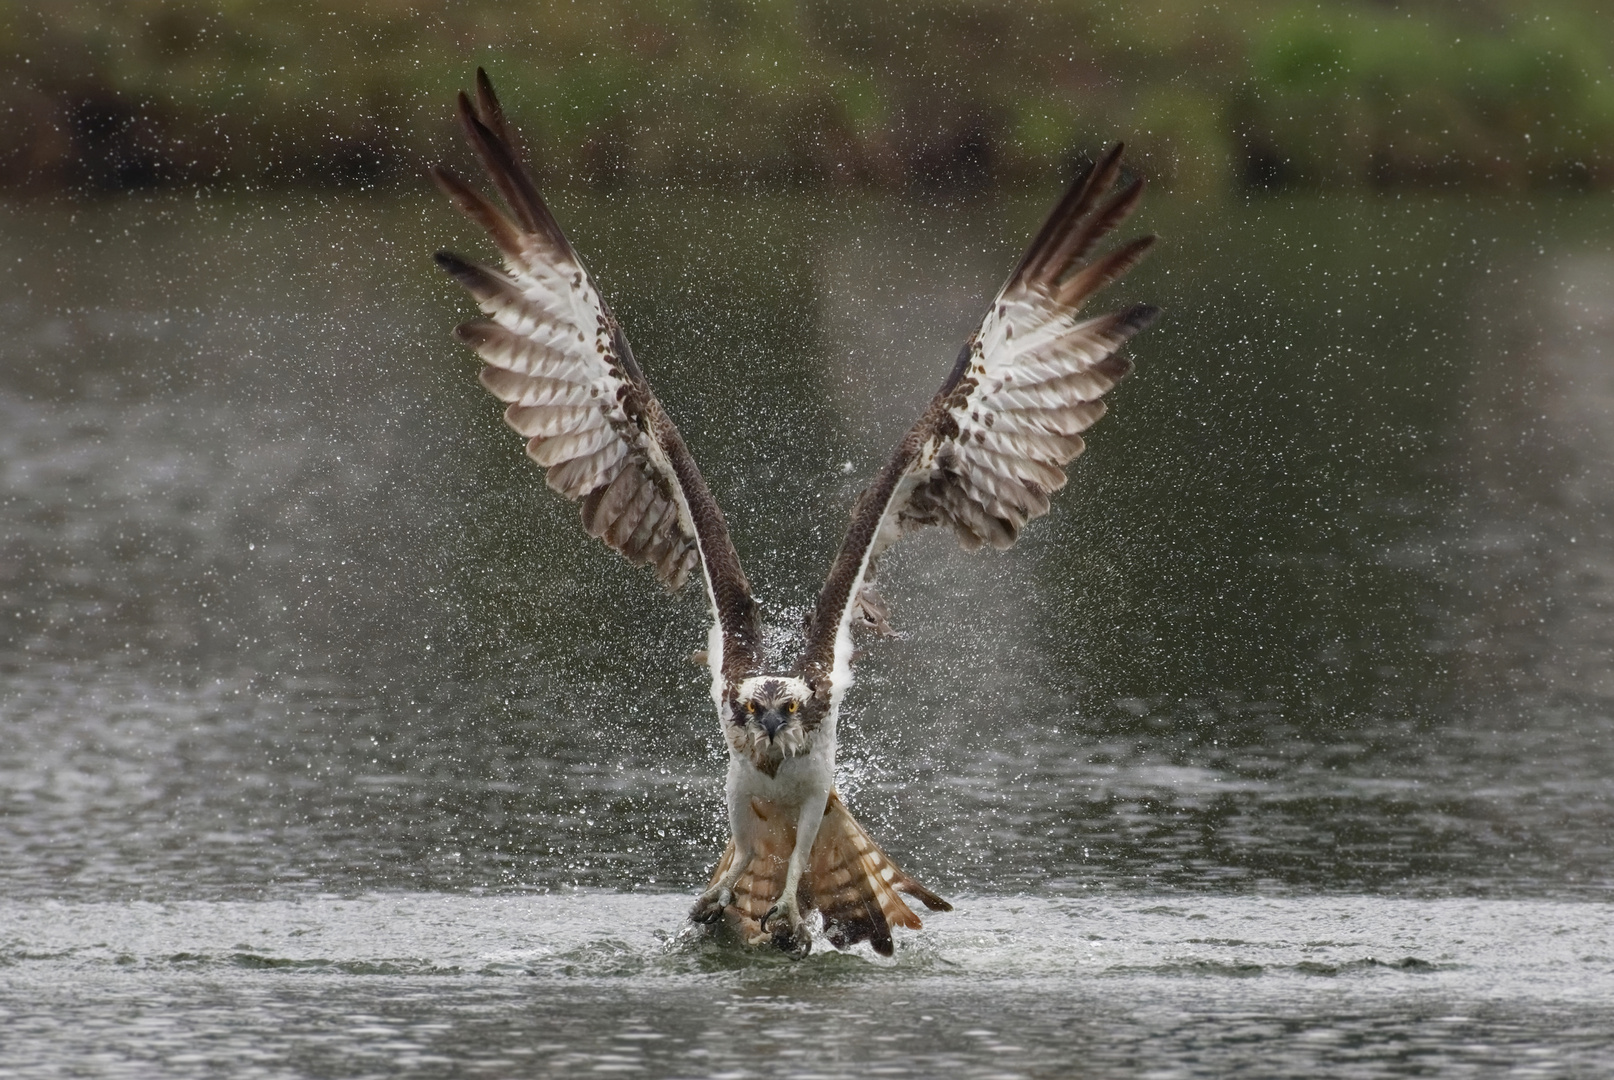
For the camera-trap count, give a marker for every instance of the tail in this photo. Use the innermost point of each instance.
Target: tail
(855, 884)
(849, 879)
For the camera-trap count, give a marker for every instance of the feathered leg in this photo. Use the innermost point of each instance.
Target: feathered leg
(719, 894)
(790, 932)
(847, 877)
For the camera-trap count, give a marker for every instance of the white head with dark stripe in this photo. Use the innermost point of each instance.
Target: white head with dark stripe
(772, 717)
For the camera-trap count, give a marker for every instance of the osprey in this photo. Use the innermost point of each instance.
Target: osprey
(982, 460)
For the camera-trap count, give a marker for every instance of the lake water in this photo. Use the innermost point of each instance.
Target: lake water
(1283, 746)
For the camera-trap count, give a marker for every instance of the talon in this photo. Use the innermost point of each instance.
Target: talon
(793, 938)
(709, 907)
(780, 910)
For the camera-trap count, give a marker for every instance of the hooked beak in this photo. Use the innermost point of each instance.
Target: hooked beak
(772, 721)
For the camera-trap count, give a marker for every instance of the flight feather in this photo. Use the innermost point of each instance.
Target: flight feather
(992, 445)
(557, 356)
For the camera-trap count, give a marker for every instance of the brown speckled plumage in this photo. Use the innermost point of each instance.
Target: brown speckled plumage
(557, 354)
(850, 881)
(982, 460)
(992, 444)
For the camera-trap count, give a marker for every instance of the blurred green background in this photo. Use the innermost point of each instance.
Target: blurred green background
(1502, 95)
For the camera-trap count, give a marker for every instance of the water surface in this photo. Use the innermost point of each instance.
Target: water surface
(1284, 745)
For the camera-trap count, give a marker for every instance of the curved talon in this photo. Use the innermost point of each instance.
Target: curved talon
(709, 907)
(793, 938)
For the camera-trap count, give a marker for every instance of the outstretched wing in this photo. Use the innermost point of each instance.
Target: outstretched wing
(556, 353)
(992, 445)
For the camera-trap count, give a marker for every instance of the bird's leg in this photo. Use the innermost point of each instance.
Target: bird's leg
(710, 904)
(790, 931)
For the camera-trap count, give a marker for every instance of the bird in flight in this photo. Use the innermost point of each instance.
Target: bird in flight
(981, 460)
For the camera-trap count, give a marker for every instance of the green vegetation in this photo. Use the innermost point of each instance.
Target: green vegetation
(1512, 94)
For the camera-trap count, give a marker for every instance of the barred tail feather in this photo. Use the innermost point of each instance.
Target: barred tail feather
(754, 892)
(849, 879)
(855, 884)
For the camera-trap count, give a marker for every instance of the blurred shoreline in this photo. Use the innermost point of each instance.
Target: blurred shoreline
(1251, 94)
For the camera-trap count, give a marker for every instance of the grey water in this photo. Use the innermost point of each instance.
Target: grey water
(1283, 746)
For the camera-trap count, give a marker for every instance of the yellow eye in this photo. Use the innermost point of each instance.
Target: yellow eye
(750, 706)
(791, 708)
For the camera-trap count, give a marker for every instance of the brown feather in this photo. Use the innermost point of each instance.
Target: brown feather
(552, 374)
(492, 113)
(849, 879)
(1090, 279)
(1029, 353)
(479, 281)
(472, 203)
(1081, 240)
(517, 188)
(1041, 262)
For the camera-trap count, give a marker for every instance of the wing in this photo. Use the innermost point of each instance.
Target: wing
(557, 355)
(992, 445)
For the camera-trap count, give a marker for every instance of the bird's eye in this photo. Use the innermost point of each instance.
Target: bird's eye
(791, 708)
(751, 707)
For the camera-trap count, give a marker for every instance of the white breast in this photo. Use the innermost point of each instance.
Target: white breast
(799, 779)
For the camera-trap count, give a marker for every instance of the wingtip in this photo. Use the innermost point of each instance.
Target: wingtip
(1140, 317)
(1096, 167)
(477, 117)
(453, 264)
(445, 179)
(450, 183)
(475, 333)
(924, 896)
(467, 113)
(485, 96)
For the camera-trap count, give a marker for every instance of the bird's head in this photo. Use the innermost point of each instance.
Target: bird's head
(772, 717)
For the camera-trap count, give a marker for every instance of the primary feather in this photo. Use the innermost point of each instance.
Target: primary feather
(556, 354)
(992, 445)
(982, 460)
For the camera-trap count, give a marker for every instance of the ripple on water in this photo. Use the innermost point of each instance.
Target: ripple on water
(1005, 985)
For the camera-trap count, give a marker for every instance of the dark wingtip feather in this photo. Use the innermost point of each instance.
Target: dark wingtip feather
(923, 895)
(475, 333)
(1050, 251)
(1139, 318)
(1095, 275)
(1119, 209)
(454, 264)
(1109, 164)
(450, 184)
(492, 113)
(1098, 178)
(478, 209)
(493, 142)
(463, 106)
(478, 280)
